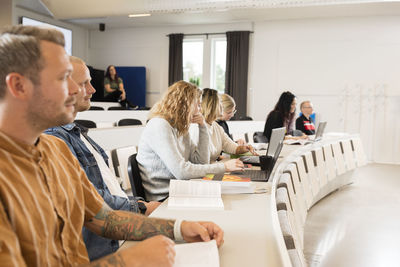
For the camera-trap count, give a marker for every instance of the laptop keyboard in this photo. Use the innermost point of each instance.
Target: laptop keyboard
(254, 175)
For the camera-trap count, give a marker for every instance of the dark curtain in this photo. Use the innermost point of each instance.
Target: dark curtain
(175, 65)
(237, 65)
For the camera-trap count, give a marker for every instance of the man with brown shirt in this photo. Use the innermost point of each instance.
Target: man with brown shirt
(45, 197)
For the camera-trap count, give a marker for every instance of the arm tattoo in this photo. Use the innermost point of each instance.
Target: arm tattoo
(112, 260)
(131, 226)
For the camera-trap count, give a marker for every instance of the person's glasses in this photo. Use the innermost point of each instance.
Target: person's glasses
(232, 112)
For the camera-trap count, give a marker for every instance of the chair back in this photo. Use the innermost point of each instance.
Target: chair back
(86, 123)
(120, 158)
(135, 178)
(96, 108)
(259, 137)
(125, 122)
(117, 108)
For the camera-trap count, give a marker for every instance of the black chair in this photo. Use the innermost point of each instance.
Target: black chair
(86, 123)
(96, 108)
(143, 108)
(245, 118)
(259, 137)
(117, 108)
(125, 122)
(135, 178)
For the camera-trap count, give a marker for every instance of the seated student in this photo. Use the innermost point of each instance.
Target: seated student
(282, 116)
(166, 150)
(220, 141)
(45, 196)
(93, 160)
(304, 123)
(228, 111)
(114, 88)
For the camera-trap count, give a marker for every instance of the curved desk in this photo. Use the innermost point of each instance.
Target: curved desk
(254, 232)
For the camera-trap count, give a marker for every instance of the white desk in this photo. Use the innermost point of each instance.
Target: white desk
(248, 223)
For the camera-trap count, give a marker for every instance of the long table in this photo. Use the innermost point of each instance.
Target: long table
(252, 232)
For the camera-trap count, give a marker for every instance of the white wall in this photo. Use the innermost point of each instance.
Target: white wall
(147, 46)
(349, 68)
(80, 35)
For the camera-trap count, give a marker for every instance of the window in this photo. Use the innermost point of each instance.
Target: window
(193, 61)
(204, 61)
(218, 64)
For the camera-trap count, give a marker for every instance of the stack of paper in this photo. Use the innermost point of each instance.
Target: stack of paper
(194, 194)
(202, 254)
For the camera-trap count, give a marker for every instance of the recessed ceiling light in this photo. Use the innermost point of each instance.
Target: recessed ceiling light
(139, 15)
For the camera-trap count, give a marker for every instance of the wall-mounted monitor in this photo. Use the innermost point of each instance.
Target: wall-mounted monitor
(67, 33)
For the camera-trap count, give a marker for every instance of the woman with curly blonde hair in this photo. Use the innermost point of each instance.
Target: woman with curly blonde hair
(166, 150)
(211, 109)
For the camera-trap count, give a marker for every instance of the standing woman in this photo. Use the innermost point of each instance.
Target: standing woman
(282, 116)
(113, 85)
(228, 111)
(220, 141)
(166, 150)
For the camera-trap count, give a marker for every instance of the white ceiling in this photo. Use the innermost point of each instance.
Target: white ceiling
(89, 13)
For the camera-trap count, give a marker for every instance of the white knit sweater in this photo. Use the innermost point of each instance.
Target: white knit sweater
(220, 141)
(162, 156)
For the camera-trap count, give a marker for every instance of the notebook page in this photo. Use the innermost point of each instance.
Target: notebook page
(201, 254)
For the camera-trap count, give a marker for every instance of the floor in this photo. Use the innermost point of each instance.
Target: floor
(358, 225)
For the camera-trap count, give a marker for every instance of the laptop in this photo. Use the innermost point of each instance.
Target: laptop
(277, 136)
(260, 175)
(319, 133)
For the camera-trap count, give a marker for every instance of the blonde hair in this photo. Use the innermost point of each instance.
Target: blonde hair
(228, 103)
(176, 105)
(20, 51)
(210, 105)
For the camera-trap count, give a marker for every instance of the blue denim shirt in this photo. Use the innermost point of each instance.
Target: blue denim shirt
(71, 134)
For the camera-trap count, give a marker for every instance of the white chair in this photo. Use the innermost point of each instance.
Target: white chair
(329, 161)
(359, 151)
(110, 162)
(120, 160)
(339, 159)
(249, 137)
(291, 169)
(348, 155)
(294, 249)
(285, 181)
(297, 258)
(305, 183)
(311, 172)
(318, 156)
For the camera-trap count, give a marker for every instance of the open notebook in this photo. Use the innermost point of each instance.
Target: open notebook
(194, 195)
(201, 254)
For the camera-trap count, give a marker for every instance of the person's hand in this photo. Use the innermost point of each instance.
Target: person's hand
(151, 206)
(252, 151)
(198, 118)
(244, 149)
(123, 95)
(156, 251)
(240, 142)
(304, 136)
(233, 165)
(202, 231)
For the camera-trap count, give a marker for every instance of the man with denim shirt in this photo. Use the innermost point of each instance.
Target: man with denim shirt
(85, 149)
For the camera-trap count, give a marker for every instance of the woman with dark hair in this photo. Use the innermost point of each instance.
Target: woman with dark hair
(282, 115)
(113, 85)
(114, 88)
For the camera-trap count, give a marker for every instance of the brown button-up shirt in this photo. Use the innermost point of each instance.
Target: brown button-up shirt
(45, 197)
